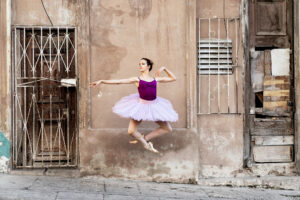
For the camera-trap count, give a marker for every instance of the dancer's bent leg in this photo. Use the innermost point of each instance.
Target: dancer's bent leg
(164, 128)
(132, 130)
(133, 124)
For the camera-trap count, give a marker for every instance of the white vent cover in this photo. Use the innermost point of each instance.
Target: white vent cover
(214, 57)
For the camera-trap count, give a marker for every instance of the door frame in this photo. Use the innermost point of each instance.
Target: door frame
(246, 82)
(296, 44)
(12, 28)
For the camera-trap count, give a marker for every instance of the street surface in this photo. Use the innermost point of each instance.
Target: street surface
(93, 187)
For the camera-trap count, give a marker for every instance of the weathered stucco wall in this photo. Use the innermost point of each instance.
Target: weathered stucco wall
(221, 135)
(121, 33)
(221, 147)
(31, 12)
(112, 37)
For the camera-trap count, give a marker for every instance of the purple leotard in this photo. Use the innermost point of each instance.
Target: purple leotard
(145, 105)
(147, 90)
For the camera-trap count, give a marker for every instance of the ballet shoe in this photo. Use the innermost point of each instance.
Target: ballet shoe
(150, 147)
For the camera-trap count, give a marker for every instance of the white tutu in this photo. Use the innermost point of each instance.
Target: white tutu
(134, 107)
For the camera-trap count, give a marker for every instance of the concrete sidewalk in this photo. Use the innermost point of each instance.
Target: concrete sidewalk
(92, 187)
(272, 182)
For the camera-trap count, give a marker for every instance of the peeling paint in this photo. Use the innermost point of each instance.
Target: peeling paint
(4, 153)
(5, 147)
(141, 8)
(3, 164)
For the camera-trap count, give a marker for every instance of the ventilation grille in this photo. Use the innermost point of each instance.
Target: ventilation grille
(214, 57)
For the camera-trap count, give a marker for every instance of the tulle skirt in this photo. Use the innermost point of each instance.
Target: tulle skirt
(134, 107)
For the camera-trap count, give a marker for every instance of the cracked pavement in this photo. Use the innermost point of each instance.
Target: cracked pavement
(94, 187)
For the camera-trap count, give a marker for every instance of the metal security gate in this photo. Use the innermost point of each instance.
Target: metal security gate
(44, 84)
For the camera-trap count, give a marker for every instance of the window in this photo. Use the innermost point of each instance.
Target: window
(214, 57)
(219, 76)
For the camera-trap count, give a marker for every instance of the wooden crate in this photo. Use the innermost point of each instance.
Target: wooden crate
(276, 95)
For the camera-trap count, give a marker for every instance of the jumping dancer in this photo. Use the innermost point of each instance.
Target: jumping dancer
(145, 105)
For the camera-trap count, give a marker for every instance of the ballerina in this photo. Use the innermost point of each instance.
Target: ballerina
(145, 105)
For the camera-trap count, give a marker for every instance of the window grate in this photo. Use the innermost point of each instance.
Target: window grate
(218, 88)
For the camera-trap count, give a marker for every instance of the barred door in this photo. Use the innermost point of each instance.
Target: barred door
(44, 84)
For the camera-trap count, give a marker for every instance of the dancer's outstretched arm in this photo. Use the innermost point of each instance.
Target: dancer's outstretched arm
(118, 81)
(169, 78)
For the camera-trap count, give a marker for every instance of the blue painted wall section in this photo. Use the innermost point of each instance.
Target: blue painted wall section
(5, 147)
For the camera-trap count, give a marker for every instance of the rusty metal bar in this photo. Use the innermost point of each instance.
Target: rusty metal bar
(228, 92)
(236, 69)
(41, 51)
(59, 115)
(15, 111)
(33, 98)
(206, 18)
(42, 119)
(32, 37)
(41, 167)
(33, 125)
(219, 101)
(24, 53)
(77, 120)
(199, 77)
(68, 101)
(25, 105)
(67, 45)
(51, 144)
(58, 51)
(209, 66)
(59, 135)
(51, 90)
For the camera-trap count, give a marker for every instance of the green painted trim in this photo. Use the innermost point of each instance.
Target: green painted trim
(5, 147)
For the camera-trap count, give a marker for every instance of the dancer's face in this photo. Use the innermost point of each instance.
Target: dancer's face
(143, 65)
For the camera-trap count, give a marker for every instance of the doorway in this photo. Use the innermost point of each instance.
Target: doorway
(271, 115)
(44, 88)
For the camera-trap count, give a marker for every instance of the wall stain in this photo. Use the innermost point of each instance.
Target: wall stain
(140, 8)
(110, 154)
(163, 25)
(106, 56)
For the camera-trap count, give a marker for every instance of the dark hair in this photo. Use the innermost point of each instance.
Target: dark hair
(149, 62)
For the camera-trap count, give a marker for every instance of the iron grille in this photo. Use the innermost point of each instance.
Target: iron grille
(218, 86)
(44, 85)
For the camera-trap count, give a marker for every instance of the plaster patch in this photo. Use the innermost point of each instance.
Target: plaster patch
(280, 62)
(3, 164)
(217, 171)
(65, 15)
